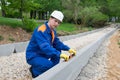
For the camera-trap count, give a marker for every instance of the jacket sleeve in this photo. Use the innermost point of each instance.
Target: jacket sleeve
(59, 45)
(44, 45)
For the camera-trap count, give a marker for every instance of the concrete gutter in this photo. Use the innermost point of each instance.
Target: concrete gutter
(68, 37)
(8, 49)
(70, 70)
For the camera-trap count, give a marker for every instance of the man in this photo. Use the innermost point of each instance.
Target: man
(44, 49)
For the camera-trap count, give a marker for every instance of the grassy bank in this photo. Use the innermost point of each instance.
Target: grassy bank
(67, 27)
(62, 29)
(10, 22)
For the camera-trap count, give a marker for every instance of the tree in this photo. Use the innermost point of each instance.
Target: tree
(43, 8)
(114, 6)
(47, 6)
(18, 7)
(91, 16)
(103, 6)
(3, 7)
(86, 3)
(34, 8)
(71, 9)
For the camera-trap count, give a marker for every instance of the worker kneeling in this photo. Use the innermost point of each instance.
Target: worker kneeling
(44, 48)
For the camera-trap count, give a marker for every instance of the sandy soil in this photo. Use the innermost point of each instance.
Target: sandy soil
(113, 58)
(11, 35)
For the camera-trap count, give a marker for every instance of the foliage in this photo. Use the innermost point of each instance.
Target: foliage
(49, 5)
(11, 39)
(90, 28)
(114, 6)
(91, 15)
(98, 19)
(29, 24)
(71, 9)
(86, 3)
(75, 11)
(119, 40)
(1, 38)
(0, 13)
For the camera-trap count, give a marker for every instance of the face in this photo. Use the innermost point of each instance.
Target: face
(53, 23)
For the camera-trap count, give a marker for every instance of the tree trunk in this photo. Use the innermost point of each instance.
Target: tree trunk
(42, 15)
(3, 8)
(39, 15)
(3, 13)
(46, 15)
(21, 10)
(34, 12)
(31, 14)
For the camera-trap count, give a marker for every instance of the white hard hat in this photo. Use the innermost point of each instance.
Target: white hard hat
(58, 15)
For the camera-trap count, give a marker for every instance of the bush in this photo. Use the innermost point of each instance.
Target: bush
(98, 19)
(1, 38)
(91, 16)
(11, 13)
(29, 24)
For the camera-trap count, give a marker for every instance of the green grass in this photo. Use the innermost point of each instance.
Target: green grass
(13, 22)
(18, 23)
(1, 38)
(66, 27)
(11, 39)
(10, 22)
(119, 42)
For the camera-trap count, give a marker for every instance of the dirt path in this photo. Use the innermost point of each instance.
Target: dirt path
(113, 60)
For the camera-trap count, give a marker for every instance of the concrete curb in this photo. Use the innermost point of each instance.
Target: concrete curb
(8, 49)
(20, 47)
(69, 70)
(68, 37)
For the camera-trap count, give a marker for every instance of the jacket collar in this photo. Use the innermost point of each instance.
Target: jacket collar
(48, 28)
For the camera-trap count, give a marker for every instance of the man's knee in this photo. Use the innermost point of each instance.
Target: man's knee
(37, 70)
(40, 65)
(55, 60)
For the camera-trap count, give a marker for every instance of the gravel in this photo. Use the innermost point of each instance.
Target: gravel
(14, 67)
(96, 67)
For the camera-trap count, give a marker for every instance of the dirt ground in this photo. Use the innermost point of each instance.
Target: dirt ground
(11, 35)
(113, 58)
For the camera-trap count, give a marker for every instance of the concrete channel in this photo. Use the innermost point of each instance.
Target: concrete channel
(8, 49)
(64, 70)
(71, 69)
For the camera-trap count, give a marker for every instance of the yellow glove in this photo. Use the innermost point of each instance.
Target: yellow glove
(72, 51)
(64, 56)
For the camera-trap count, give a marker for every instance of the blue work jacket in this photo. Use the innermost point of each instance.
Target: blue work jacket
(43, 43)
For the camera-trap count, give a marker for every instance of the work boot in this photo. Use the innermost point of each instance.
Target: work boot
(30, 69)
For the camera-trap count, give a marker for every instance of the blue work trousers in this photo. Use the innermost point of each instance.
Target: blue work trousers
(41, 64)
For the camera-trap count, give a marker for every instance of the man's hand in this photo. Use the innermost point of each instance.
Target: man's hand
(72, 51)
(64, 56)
